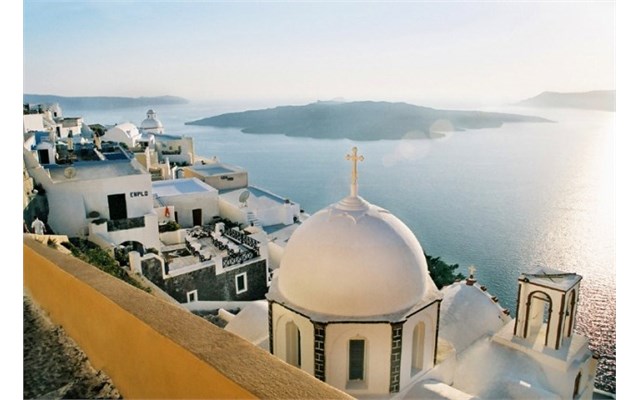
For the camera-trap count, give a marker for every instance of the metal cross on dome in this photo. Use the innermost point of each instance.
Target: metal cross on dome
(354, 157)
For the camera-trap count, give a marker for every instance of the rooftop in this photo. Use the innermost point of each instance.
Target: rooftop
(469, 306)
(551, 278)
(215, 169)
(91, 170)
(204, 246)
(258, 192)
(254, 193)
(177, 187)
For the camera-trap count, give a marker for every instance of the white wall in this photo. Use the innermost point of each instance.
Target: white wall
(429, 317)
(161, 212)
(32, 122)
(186, 203)
(232, 211)
(118, 135)
(377, 356)
(173, 237)
(280, 317)
(73, 126)
(67, 212)
(268, 212)
(70, 201)
(186, 149)
(275, 213)
(240, 179)
(147, 235)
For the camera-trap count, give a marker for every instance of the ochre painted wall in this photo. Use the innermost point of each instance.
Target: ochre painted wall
(151, 348)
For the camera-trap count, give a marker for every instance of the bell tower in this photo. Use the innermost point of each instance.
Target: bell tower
(543, 329)
(546, 306)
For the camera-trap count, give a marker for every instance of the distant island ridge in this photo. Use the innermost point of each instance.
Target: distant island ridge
(604, 100)
(101, 102)
(361, 120)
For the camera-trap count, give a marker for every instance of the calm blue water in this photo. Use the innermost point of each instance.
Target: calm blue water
(504, 199)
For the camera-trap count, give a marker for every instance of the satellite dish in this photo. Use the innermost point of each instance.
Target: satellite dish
(244, 196)
(69, 172)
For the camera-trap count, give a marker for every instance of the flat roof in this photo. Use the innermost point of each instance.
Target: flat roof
(177, 187)
(550, 277)
(280, 234)
(258, 192)
(90, 170)
(255, 192)
(215, 169)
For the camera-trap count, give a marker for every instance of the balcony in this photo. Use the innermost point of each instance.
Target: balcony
(124, 224)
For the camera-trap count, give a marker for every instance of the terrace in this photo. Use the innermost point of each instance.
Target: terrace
(206, 246)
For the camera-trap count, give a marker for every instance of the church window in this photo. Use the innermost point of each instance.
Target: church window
(417, 349)
(539, 309)
(356, 359)
(294, 355)
(570, 314)
(241, 283)
(576, 385)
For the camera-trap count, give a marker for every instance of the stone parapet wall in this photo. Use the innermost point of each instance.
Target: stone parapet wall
(151, 348)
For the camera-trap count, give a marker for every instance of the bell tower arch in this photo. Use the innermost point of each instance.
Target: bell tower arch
(546, 307)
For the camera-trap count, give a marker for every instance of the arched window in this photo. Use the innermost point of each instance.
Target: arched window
(293, 356)
(417, 349)
(356, 359)
(576, 385)
(539, 308)
(570, 314)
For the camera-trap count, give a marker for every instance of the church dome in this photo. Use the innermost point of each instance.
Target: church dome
(354, 259)
(468, 305)
(151, 124)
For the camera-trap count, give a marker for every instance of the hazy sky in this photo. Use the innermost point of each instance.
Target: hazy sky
(487, 52)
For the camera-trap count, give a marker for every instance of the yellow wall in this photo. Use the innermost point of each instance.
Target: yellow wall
(151, 348)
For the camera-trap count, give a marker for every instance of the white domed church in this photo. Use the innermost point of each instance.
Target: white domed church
(152, 124)
(353, 304)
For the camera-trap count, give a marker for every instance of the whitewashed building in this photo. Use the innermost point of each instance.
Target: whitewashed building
(125, 132)
(32, 122)
(216, 174)
(252, 205)
(208, 266)
(353, 304)
(108, 201)
(40, 117)
(42, 146)
(187, 201)
(152, 124)
(352, 301)
(68, 127)
(274, 216)
(175, 149)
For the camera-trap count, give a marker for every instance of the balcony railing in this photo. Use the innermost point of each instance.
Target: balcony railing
(241, 238)
(124, 224)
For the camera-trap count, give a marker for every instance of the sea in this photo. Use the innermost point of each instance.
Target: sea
(502, 199)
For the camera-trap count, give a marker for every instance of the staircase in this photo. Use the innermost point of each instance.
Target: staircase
(253, 220)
